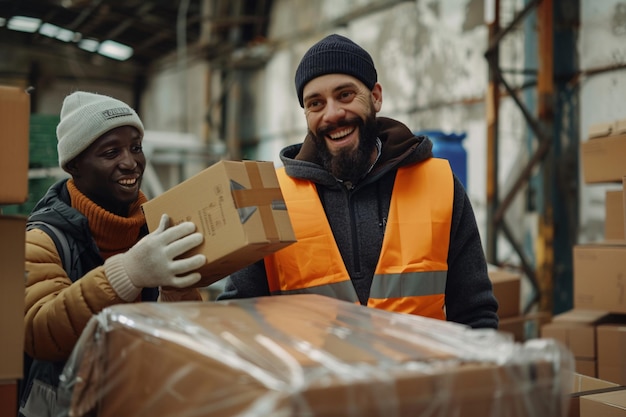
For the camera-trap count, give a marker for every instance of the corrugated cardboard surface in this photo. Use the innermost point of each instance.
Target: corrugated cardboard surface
(8, 398)
(586, 385)
(579, 339)
(614, 215)
(619, 127)
(601, 129)
(14, 122)
(587, 367)
(582, 383)
(306, 355)
(524, 327)
(612, 353)
(599, 271)
(516, 326)
(506, 288)
(576, 329)
(603, 159)
(624, 203)
(238, 207)
(606, 404)
(12, 284)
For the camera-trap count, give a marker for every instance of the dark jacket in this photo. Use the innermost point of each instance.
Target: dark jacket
(357, 217)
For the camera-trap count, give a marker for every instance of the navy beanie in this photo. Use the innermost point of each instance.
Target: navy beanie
(335, 54)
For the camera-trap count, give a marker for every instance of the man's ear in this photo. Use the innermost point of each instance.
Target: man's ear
(72, 168)
(377, 96)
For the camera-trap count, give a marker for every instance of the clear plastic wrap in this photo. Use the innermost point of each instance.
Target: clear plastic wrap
(305, 355)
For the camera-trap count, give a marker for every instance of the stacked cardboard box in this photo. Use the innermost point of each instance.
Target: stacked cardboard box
(609, 403)
(14, 119)
(614, 215)
(305, 355)
(612, 352)
(600, 267)
(599, 271)
(578, 330)
(507, 288)
(592, 397)
(604, 152)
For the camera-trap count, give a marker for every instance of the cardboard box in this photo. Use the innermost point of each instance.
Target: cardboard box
(525, 326)
(599, 271)
(506, 289)
(305, 355)
(14, 119)
(624, 203)
(8, 398)
(606, 404)
(612, 352)
(12, 285)
(576, 329)
(587, 367)
(619, 127)
(239, 208)
(585, 385)
(614, 215)
(516, 326)
(599, 130)
(603, 159)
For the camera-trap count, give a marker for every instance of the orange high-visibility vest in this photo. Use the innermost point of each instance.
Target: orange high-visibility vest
(411, 273)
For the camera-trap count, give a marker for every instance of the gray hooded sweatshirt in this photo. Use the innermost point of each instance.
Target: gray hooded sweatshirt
(357, 217)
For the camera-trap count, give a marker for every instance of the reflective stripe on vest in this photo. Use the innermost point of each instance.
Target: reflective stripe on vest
(411, 273)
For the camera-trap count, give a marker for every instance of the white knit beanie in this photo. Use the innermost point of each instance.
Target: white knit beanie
(87, 116)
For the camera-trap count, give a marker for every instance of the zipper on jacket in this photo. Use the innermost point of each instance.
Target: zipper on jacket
(355, 235)
(382, 220)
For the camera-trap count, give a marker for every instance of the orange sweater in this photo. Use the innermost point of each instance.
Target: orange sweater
(113, 234)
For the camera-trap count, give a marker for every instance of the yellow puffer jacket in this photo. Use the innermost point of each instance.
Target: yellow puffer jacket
(57, 310)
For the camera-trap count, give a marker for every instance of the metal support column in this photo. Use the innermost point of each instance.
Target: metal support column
(497, 207)
(493, 105)
(553, 155)
(544, 247)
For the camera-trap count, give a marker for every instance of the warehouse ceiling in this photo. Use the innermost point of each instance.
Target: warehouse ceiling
(151, 28)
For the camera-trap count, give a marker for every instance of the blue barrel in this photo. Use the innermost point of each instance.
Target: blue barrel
(449, 146)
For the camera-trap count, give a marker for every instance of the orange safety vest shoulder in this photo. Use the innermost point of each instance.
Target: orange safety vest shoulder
(411, 273)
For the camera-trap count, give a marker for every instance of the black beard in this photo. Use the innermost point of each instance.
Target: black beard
(349, 165)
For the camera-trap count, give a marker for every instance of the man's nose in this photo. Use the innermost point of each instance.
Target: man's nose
(128, 160)
(334, 111)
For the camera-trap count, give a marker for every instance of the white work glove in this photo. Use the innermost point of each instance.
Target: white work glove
(152, 261)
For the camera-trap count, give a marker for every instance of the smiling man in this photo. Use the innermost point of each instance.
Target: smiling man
(87, 245)
(379, 221)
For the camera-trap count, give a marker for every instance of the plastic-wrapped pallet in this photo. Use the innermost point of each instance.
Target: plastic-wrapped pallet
(306, 355)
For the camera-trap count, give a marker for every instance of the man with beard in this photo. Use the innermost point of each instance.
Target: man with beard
(379, 221)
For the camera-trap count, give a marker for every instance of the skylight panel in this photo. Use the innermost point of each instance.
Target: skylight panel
(115, 50)
(24, 24)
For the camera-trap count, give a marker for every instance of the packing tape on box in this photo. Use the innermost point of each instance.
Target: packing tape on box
(266, 199)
